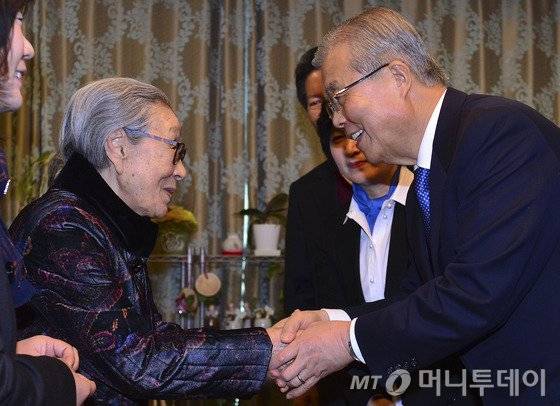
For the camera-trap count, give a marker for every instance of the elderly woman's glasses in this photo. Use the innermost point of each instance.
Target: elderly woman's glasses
(179, 147)
(333, 105)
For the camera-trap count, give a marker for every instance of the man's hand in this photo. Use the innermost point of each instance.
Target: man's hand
(51, 347)
(84, 388)
(300, 320)
(321, 349)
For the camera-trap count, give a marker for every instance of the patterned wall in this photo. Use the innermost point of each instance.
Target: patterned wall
(228, 69)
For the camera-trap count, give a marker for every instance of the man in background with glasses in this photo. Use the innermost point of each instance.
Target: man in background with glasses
(313, 197)
(346, 237)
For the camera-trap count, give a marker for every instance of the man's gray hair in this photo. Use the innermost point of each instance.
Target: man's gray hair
(379, 35)
(102, 107)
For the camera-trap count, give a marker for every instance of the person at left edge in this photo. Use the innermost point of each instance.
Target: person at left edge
(39, 370)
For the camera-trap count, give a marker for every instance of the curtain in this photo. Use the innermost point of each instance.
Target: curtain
(228, 66)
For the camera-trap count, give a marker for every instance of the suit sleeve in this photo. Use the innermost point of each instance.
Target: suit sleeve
(298, 274)
(91, 297)
(26, 380)
(508, 188)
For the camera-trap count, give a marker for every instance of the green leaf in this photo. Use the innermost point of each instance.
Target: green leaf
(274, 270)
(279, 217)
(277, 203)
(250, 212)
(275, 210)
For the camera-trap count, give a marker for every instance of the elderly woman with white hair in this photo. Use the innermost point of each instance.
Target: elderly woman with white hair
(88, 239)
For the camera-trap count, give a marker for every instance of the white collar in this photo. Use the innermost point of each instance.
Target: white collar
(426, 146)
(400, 192)
(398, 195)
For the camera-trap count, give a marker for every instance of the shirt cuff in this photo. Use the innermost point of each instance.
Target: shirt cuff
(354, 343)
(337, 315)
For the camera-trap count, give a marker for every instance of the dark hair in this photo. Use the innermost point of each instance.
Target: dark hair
(325, 129)
(8, 12)
(303, 70)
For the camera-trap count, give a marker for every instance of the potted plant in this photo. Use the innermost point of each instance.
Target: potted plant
(175, 229)
(266, 224)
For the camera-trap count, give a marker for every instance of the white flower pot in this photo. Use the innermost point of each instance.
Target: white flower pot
(265, 237)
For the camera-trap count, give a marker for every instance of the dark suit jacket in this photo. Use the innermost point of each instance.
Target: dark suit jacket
(322, 260)
(322, 253)
(485, 283)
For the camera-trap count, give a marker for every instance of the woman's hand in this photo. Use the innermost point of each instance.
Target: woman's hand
(51, 347)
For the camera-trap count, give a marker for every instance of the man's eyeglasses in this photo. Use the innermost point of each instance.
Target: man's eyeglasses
(179, 147)
(333, 105)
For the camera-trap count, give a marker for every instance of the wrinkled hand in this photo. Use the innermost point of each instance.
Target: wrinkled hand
(84, 388)
(277, 345)
(291, 327)
(321, 349)
(51, 347)
(300, 320)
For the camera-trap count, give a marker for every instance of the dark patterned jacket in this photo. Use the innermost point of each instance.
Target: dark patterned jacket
(86, 254)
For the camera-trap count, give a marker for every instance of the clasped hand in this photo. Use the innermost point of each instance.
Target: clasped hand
(307, 347)
(42, 345)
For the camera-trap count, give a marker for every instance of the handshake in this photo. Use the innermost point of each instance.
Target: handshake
(307, 347)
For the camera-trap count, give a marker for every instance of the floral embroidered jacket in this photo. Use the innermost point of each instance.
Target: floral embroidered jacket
(86, 254)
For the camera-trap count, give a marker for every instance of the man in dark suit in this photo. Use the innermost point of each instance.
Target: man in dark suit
(333, 258)
(314, 198)
(485, 244)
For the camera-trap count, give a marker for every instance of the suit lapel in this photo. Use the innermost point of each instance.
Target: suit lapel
(325, 198)
(446, 140)
(347, 251)
(398, 249)
(437, 182)
(343, 239)
(417, 237)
